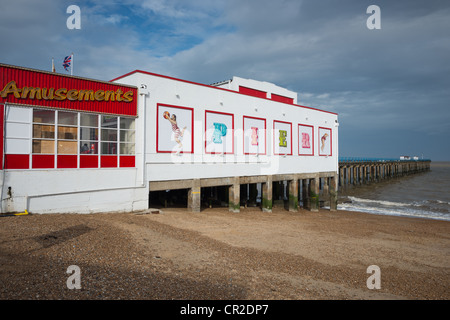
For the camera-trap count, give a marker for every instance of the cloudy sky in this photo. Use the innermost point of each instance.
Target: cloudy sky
(390, 86)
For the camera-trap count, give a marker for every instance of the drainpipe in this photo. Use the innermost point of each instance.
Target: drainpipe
(143, 92)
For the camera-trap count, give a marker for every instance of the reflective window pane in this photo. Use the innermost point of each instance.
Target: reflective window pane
(127, 148)
(88, 147)
(88, 120)
(109, 148)
(43, 116)
(88, 133)
(109, 122)
(44, 146)
(67, 118)
(67, 133)
(109, 135)
(43, 131)
(127, 136)
(67, 147)
(126, 123)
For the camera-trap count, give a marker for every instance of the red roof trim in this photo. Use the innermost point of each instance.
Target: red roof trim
(208, 86)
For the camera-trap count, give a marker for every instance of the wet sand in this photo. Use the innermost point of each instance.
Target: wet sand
(216, 254)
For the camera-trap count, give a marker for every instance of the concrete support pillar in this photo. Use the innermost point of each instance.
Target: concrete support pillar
(234, 196)
(293, 195)
(267, 195)
(314, 194)
(333, 193)
(194, 196)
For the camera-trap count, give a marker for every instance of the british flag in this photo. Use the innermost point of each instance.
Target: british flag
(66, 62)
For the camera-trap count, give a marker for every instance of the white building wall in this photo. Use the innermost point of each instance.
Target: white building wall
(126, 189)
(168, 166)
(73, 190)
(70, 190)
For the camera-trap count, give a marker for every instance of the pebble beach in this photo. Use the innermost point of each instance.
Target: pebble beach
(218, 255)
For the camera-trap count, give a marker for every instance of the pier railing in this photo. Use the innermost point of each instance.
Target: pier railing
(363, 159)
(360, 170)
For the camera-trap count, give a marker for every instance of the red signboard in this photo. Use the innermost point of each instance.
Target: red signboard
(47, 89)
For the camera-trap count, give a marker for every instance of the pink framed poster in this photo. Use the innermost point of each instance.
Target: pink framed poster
(305, 140)
(254, 136)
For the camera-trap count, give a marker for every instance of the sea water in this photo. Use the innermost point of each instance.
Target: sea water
(424, 195)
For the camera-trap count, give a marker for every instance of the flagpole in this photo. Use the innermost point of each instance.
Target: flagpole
(53, 64)
(71, 68)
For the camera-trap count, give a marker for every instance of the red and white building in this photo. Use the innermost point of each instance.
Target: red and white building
(71, 144)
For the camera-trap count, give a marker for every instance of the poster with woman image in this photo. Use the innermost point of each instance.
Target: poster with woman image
(325, 143)
(174, 129)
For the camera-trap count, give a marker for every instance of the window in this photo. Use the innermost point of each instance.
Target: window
(109, 135)
(43, 116)
(127, 136)
(88, 133)
(18, 132)
(39, 138)
(67, 132)
(43, 131)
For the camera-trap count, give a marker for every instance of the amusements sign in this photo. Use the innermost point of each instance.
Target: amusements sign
(305, 140)
(282, 138)
(52, 90)
(174, 127)
(254, 136)
(324, 141)
(219, 132)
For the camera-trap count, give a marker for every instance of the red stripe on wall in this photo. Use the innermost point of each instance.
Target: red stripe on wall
(127, 161)
(253, 92)
(67, 161)
(108, 161)
(276, 97)
(43, 161)
(88, 161)
(17, 161)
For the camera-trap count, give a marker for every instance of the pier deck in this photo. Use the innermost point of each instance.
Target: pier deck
(358, 171)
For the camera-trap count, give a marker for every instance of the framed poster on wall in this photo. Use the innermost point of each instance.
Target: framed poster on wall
(325, 142)
(282, 138)
(219, 132)
(254, 135)
(305, 140)
(174, 129)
